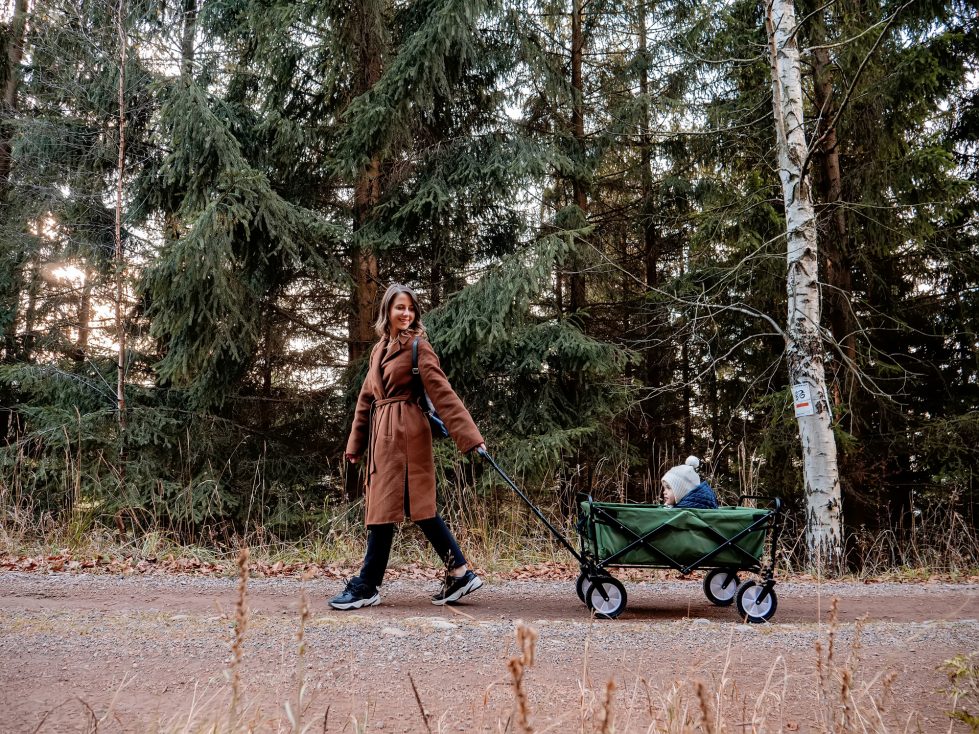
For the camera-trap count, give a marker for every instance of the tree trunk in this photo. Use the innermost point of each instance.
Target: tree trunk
(653, 414)
(32, 280)
(364, 265)
(367, 190)
(688, 446)
(15, 54)
(172, 228)
(577, 276)
(187, 38)
(84, 317)
(368, 39)
(120, 255)
(836, 254)
(804, 342)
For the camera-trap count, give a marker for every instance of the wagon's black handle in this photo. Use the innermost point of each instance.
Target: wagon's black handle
(557, 533)
(776, 501)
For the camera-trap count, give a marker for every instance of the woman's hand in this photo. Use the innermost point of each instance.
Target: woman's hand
(352, 458)
(480, 448)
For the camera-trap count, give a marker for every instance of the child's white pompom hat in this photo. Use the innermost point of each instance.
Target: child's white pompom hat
(683, 478)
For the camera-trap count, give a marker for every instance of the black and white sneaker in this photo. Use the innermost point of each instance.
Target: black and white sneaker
(357, 594)
(453, 589)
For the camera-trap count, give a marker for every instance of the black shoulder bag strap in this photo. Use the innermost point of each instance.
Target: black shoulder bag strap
(439, 429)
(416, 376)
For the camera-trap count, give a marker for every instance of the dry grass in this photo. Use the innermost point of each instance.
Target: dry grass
(493, 526)
(846, 701)
(495, 530)
(963, 688)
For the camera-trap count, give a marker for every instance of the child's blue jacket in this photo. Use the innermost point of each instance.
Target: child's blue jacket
(701, 497)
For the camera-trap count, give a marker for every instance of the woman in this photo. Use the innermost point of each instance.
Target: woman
(391, 429)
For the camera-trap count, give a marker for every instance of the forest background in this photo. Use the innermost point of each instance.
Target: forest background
(200, 201)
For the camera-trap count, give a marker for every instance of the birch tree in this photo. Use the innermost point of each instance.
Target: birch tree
(804, 349)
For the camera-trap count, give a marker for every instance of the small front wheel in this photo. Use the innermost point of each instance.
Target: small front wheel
(751, 606)
(720, 586)
(606, 597)
(584, 580)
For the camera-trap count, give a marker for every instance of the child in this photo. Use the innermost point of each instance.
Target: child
(682, 487)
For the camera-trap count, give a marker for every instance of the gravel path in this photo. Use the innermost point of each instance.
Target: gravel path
(86, 652)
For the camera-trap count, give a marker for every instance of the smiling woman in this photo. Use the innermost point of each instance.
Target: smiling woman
(391, 430)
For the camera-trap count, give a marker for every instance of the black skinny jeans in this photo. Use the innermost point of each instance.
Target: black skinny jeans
(380, 538)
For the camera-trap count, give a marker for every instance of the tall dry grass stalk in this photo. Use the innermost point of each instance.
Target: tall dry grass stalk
(238, 643)
(526, 642)
(605, 717)
(421, 706)
(296, 708)
(963, 689)
(706, 719)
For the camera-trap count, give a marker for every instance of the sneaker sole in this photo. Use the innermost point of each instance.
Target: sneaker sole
(372, 602)
(457, 595)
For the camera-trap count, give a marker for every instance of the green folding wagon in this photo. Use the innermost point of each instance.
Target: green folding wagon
(725, 542)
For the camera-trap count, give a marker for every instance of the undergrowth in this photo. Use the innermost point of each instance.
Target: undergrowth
(497, 531)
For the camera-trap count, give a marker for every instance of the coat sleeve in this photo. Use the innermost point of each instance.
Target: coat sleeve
(357, 442)
(461, 427)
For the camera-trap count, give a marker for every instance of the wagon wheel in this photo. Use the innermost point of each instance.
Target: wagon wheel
(582, 585)
(606, 597)
(720, 585)
(750, 608)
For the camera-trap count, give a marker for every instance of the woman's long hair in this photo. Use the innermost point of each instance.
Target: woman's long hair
(383, 324)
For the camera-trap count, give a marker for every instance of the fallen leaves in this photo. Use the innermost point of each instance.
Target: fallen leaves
(171, 564)
(67, 562)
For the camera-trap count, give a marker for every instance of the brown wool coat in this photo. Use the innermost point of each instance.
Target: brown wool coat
(395, 435)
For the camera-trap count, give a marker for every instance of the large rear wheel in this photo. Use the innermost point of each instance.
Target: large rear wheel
(751, 606)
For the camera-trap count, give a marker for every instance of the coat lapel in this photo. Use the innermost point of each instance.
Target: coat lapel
(393, 348)
(388, 353)
(375, 372)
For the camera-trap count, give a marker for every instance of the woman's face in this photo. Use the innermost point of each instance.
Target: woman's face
(402, 314)
(668, 497)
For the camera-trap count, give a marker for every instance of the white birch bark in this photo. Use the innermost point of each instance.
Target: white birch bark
(804, 342)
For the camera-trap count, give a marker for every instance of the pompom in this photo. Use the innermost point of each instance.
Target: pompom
(692, 461)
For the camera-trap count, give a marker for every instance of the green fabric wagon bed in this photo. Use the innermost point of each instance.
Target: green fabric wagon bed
(683, 536)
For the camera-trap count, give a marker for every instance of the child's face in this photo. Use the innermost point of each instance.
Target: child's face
(668, 497)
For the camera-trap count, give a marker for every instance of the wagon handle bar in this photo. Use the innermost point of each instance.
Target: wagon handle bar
(776, 501)
(557, 533)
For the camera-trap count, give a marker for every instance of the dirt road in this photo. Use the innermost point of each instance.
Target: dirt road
(110, 653)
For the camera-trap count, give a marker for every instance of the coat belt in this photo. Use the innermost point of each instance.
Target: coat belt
(388, 401)
(373, 432)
